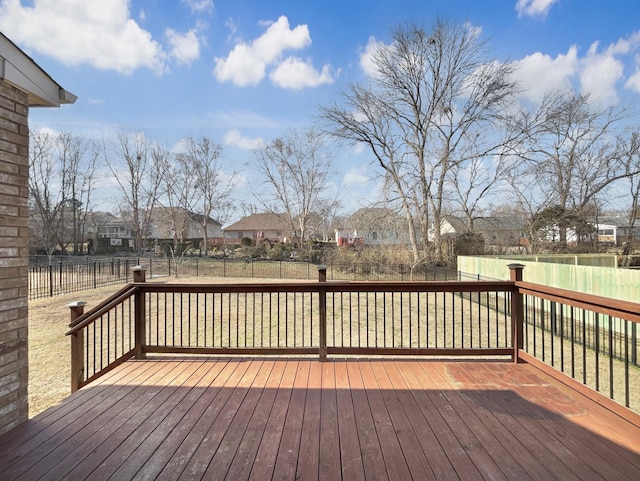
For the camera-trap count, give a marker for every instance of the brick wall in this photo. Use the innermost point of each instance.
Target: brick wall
(14, 256)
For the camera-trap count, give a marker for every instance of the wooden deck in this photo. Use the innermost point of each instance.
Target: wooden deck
(282, 419)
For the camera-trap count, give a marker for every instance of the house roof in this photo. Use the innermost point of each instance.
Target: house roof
(261, 222)
(485, 224)
(21, 71)
(374, 218)
(159, 212)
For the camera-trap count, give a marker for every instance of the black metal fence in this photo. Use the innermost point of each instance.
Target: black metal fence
(49, 277)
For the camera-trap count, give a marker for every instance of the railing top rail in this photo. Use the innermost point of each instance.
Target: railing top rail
(604, 305)
(333, 286)
(106, 305)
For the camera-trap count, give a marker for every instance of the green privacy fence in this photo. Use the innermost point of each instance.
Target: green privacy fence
(597, 275)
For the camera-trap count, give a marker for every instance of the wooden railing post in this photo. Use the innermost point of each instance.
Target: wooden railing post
(517, 312)
(139, 276)
(322, 300)
(77, 347)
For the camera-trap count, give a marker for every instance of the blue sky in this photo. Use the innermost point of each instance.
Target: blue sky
(243, 72)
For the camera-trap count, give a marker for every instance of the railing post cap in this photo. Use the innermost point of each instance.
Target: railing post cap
(77, 304)
(516, 265)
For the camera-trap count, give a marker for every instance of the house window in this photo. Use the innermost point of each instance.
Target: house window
(239, 235)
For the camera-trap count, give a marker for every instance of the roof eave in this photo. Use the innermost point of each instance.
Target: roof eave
(18, 69)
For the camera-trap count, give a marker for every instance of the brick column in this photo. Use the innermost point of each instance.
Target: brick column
(14, 255)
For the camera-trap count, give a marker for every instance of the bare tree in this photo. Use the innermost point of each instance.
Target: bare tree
(629, 148)
(570, 156)
(297, 171)
(45, 200)
(136, 164)
(477, 183)
(62, 168)
(435, 105)
(78, 157)
(179, 194)
(212, 186)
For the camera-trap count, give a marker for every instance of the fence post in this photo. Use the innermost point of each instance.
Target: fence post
(322, 299)
(50, 280)
(139, 276)
(77, 347)
(517, 311)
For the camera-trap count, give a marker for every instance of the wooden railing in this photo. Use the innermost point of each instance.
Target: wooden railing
(591, 339)
(510, 319)
(297, 318)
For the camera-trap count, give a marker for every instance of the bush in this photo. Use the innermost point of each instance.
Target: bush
(252, 252)
(166, 247)
(279, 252)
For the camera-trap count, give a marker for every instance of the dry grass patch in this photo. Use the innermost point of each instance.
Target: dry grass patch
(49, 348)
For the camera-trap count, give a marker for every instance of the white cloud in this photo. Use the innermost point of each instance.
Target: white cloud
(633, 82)
(184, 47)
(247, 63)
(534, 8)
(474, 30)
(628, 46)
(101, 34)
(243, 67)
(367, 54)
(600, 73)
(295, 73)
(539, 73)
(233, 28)
(199, 6)
(235, 138)
(357, 176)
(242, 119)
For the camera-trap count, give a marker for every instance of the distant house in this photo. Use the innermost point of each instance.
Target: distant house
(112, 234)
(111, 227)
(377, 226)
(261, 228)
(616, 229)
(607, 233)
(348, 238)
(499, 232)
(165, 222)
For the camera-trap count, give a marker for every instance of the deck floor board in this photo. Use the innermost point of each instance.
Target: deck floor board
(345, 419)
